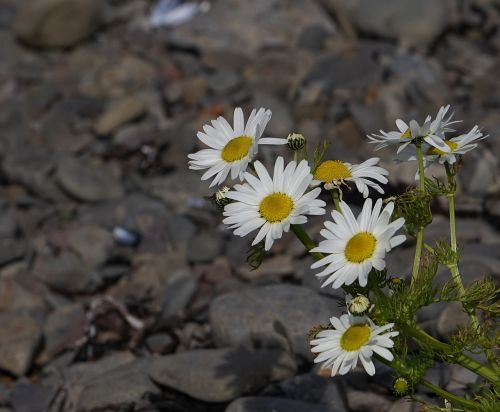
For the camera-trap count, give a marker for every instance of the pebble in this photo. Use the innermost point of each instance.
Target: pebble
(11, 250)
(88, 181)
(272, 316)
(205, 247)
(29, 397)
(367, 401)
(221, 375)
(271, 404)
(57, 23)
(177, 294)
(92, 244)
(19, 339)
(452, 317)
(119, 113)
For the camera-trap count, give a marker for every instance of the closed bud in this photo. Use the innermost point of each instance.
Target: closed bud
(296, 141)
(359, 305)
(401, 386)
(220, 197)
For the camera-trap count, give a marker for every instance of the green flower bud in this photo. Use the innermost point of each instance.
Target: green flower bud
(296, 141)
(401, 386)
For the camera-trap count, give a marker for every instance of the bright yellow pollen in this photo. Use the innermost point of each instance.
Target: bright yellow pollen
(360, 247)
(275, 207)
(435, 151)
(406, 134)
(331, 171)
(355, 337)
(236, 149)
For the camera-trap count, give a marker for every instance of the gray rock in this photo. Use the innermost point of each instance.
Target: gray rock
(414, 24)
(177, 294)
(92, 244)
(160, 343)
(63, 328)
(8, 224)
(88, 181)
(221, 375)
(11, 250)
(367, 401)
(313, 38)
(451, 318)
(224, 81)
(272, 316)
(19, 338)
(281, 123)
(65, 273)
(57, 23)
(205, 247)
(271, 404)
(30, 397)
(120, 387)
(118, 114)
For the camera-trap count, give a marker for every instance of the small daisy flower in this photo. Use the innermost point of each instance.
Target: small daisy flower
(351, 339)
(432, 131)
(353, 247)
(231, 148)
(458, 146)
(272, 205)
(333, 173)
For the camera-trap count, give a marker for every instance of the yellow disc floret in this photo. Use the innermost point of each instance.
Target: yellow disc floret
(236, 149)
(331, 171)
(433, 151)
(406, 134)
(276, 207)
(360, 247)
(355, 337)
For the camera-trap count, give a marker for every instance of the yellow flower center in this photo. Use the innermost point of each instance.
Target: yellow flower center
(275, 207)
(355, 337)
(360, 247)
(406, 134)
(236, 149)
(331, 171)
(433, 151)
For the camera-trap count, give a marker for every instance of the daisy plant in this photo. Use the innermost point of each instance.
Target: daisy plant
(379, 324)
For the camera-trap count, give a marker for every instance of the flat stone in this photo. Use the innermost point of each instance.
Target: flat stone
(271, 404)
(88, 181)
(63, 328)
(367, 401)
(65, 273)
(205, 246)
(57, 23)
(118, 114)
(177, 294)
(92, 244)
(19, 338)
(452, 317)
(272, 316)
(119, 388)
(221, 375)
(30, 397)
(11, 250)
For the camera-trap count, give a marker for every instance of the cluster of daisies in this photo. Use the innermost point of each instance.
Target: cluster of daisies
(269, 204)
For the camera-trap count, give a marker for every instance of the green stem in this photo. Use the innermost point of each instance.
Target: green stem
(420, 233)
(306, 240)
(403, 371)
(461, 359)
(336, 199)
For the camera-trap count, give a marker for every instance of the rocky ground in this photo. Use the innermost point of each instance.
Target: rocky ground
(120, 289)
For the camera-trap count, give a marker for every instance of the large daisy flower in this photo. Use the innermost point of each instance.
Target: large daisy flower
(353, 338)
(432, 131)
(231, 148)
(272, 205)
(458, 146)
(353, 247)
(335, 172)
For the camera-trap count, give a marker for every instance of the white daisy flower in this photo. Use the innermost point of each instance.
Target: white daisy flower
(335, 172)
(353, 247)
(231, 148)
(272, 204)
(432, 131)
(458, 146)
(358, 305)
(353, 338)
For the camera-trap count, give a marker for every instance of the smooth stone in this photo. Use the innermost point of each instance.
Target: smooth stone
(270, 316)
(160, 343)
(19, 338)
(88, 181)
(11, 250)
(63, 328)
(451, 318)
(65, 273)
(118, 114)
(367, 401)
(57, 23)
(119, 388)
(30, 397)
(205, 246)
(271, 404)
(177, 294)
(221, 375)
(92, 243)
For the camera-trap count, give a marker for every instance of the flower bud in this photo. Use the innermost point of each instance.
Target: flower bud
(296, 141)
(401, 386)
(396, 283)
(220, 197)
(359, 305)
